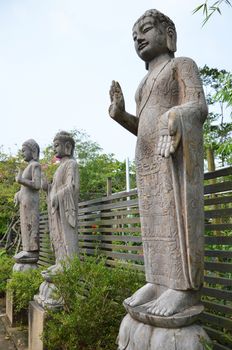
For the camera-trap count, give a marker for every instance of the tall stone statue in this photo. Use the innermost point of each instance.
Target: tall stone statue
(62, 210)
(28, 200)
(171, 110)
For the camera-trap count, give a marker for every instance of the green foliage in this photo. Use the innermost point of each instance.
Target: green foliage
(94, 166)
(207, 345)
(224, 94)
(8, 188)
(209, 10)
(93, 296)
(23, 286)
(6, 265)
(94, 174)
(218, 126)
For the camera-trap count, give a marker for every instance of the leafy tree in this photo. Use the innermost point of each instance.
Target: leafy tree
(94, 166)
(217, 128)
(224, 94)
(208, 10)
(8, 188)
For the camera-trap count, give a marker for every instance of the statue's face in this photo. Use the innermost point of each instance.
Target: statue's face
(150, 39)
(27, 154)
(59, 148)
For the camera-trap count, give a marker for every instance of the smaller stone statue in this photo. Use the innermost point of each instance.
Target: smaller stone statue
(28, 200)
(62, 198)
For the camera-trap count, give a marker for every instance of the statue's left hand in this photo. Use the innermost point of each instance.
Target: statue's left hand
(170, 134)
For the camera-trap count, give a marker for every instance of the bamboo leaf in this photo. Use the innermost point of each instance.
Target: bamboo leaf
(198, 8)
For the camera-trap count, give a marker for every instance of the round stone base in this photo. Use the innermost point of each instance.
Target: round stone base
(134, 335)
(181, 319)
(24, 267)
(46, 297)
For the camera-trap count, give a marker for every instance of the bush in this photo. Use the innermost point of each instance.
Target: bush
(24, 285)
(6, 265)
(93, 296)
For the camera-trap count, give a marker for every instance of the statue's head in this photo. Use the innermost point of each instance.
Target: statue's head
(154, 34)
(30, 150)
(63, 144)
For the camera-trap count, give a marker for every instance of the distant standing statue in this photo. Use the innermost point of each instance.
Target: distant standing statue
(171, 110)
(63, 200)
(28, 200)
(62, 211)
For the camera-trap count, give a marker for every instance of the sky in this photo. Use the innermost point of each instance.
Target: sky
(58, 58)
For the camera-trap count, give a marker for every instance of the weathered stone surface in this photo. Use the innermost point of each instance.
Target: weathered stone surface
(177, 320)
(62, 198)
(14, 318)
(134, 335)
(28, 200)
(20, 267)
(46, 297)
(171, 110)
(37, 317)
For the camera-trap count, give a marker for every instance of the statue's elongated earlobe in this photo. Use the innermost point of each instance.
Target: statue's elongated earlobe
(171, 39)
(68, 148)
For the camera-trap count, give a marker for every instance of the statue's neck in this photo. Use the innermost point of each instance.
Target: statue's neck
(63, 159)
(159, 60)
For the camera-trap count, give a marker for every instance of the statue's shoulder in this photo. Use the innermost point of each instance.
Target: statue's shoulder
(183, 62)
(35, 164)
(71, 162)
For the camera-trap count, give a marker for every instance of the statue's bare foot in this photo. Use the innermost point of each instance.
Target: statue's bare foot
(142, 295)
(171, 302)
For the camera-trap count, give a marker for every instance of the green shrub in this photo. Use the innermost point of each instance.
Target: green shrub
(93, 296)
(6, 265)
(23, 286)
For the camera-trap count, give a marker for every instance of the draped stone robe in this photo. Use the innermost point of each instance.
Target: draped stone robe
(63, 202)
(29, 206)
(171, 189)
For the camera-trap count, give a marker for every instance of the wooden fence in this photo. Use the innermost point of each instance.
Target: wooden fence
(111, 226)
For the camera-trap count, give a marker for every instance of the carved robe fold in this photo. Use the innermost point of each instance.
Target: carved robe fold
(29, 207)
(171, 189)
(63, 202)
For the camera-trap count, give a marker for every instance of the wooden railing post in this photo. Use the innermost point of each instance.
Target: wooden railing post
(109, 186)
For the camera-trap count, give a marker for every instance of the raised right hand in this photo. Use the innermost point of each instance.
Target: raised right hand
(117, 107)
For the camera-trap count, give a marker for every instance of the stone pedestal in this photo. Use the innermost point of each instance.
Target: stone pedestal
(37, 316)
(135, 335)
(13, 317)
(20, 267)
(25, 261)
(9, 307)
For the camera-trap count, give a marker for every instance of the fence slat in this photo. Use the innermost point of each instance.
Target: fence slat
(110, 238)
(218, 173)
(217, 293)
(218, 266)
(224, 309)
(219, 253)
(218, 187)
(220, 240)
(218, 280)
(218, 321)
